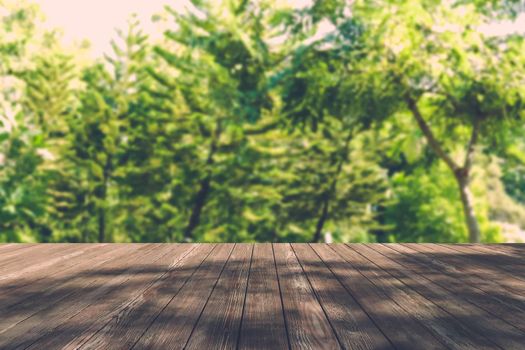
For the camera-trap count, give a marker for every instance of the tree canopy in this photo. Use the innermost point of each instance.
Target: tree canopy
(249, 122)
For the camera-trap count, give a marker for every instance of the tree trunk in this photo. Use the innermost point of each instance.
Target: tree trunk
(380, 233)
(468, 209)
(462, 173)
(331, 192)
(200, 200)
(101, 225)
(204, 189)
(320, 222)
(103, 197)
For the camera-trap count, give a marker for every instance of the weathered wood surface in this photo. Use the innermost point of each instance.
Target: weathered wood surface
(262, 296)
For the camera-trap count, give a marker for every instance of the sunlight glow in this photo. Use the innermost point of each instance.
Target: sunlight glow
(505, 27)
(96, 20)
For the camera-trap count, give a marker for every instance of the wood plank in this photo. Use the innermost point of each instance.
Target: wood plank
(263, 320)
(52, 266)
(86, 323)
(354, 328)
(7, 249)
(262, 296)
(24, 294)
(491, 258)
(15, 310)
(173, 327)
(399, 326)
(102, 284)
(17, 304)
(459, 323)
(505, 249)
(219, 325)
(455, 261)
(122, 330)
(440, 323)
(503, 254)
(483, 293)
(34, 255)
(6, 246)
(307, 325)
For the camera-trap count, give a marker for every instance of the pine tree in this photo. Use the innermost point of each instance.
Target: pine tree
(100, 132)
(218, 69)
(22, 184)
(50, 100)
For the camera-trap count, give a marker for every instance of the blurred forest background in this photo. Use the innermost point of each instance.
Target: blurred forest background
(243, 123)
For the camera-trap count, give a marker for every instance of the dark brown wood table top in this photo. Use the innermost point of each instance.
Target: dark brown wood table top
(262, 296)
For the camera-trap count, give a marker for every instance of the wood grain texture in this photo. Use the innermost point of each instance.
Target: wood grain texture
(219, 324)
(449, 317)
(7, 249)
(482, 292)
(492, 258)
(32, 256)
(123, 329)
(18, 305)
(43, 289)
(100, 283)
(402, 329)
(263, 321)
(262, 296)
(21, 278)
(354, 328)
(95, 315)
(308, 326)
(457, 260)
(174, 325)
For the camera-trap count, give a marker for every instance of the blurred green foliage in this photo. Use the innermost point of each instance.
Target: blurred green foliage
(247, 123)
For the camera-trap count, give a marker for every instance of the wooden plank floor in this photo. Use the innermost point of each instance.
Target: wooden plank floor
(262, 296)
